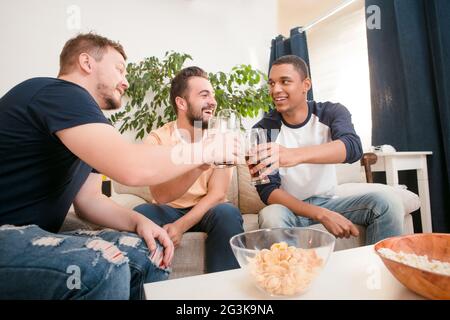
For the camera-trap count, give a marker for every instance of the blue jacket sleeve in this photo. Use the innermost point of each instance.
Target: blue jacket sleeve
(272, 123)
(264, 190)
(342, 129)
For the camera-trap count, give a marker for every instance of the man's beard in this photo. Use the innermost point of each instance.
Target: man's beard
(108, 98)
(195, 119)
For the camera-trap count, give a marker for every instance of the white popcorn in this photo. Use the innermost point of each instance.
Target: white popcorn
(416, 261)
(285, 270)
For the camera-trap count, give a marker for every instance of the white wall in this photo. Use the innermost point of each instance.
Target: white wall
(218, 34)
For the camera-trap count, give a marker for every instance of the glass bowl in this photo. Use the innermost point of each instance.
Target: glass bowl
(283, 261)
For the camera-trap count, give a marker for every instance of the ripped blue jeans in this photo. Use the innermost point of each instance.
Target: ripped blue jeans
(81, 264)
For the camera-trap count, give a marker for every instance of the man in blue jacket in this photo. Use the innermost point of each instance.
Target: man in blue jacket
(306, 140)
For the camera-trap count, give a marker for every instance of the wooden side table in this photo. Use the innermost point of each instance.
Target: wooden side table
(392, 163)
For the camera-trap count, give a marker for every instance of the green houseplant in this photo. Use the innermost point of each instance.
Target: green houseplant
(244, 89)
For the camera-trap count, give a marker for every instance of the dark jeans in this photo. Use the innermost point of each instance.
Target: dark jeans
(221, 222)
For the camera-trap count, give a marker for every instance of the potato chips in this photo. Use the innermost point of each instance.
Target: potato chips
(285, 270)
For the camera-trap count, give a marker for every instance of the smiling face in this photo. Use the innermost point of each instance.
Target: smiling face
(111, 80)
(200, 102)
(287, 87)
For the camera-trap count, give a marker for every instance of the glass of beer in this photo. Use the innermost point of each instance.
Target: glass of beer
(253, 138)
(225, 121)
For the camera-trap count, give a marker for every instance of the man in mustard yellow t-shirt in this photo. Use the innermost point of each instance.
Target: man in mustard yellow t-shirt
(195, 201)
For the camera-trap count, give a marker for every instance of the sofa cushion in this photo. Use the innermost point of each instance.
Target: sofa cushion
(410, 200)
(250, 222)
(189, 257)
(128, 200)
(350, 172)
(249, 201)
(141, 192)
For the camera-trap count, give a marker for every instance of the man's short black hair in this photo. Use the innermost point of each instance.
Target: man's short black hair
(179, 84)
(298, 63)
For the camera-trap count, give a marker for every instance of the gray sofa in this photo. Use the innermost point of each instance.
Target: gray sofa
(189, 257)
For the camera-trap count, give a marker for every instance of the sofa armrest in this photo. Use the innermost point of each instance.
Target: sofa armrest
(410, 200)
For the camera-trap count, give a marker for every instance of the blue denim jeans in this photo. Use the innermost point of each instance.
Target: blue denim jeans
(221, 222)
(381, 213)
(106, 264)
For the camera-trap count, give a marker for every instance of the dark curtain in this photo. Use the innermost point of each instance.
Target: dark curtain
(295, 45)
(409, 60)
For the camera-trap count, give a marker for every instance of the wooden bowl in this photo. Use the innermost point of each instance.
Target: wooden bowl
(425, 283)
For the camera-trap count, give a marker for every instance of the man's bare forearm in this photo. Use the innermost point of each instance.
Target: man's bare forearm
(298, 207)
(175, 188)
(152, 165)
(102, 211)
(328, 153)
(197, 212)
(104, 149)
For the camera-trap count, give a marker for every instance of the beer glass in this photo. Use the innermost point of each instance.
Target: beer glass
(253, 138)
(225, 121)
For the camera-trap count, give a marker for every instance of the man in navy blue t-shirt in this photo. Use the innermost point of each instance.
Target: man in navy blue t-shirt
(306, 140)
(52, 134)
